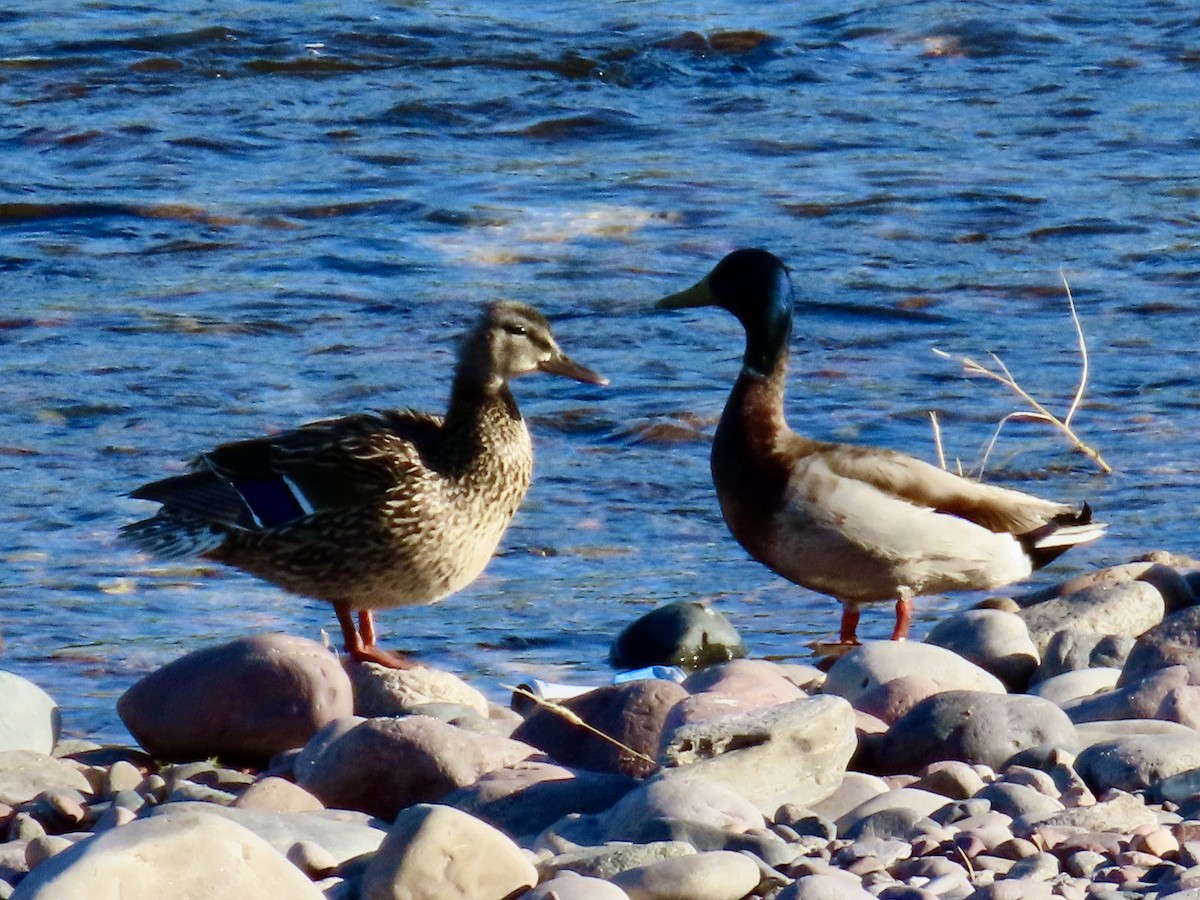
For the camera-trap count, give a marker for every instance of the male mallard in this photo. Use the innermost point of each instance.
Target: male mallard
(862, 524)
(374, 510)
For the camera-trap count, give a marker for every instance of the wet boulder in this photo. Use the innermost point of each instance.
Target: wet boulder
(685, 633)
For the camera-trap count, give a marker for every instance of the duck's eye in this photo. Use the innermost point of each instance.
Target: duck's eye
(515, 329)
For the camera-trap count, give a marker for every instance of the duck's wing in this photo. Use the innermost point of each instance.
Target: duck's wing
(926, 486)
(326, 465)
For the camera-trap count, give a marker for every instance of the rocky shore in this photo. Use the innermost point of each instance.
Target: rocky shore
(1043, 747)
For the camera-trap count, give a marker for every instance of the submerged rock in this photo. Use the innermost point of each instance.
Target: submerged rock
(685, 634)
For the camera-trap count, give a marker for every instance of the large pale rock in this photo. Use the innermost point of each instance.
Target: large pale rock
(343, 834)
(1109, 605)
(245, 700)
(972, 726)
(530, 797)
(1138, 762)
(632, 713)
(183, 855)
(29, 717)
(717, 875)
(1176, 642)
(739, 685)
(996, 641)
(795, 752)
(436, 852)
(1077, 685)
(380, 691)
(877, 662)
(26, 773)
(382, 765)
(607, 860)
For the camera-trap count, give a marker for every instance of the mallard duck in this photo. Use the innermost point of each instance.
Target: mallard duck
(860, 524)
(373, 510)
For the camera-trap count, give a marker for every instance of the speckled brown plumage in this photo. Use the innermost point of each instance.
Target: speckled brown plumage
(373, 510)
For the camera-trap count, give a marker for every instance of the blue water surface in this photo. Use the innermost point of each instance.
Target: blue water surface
(221, 219)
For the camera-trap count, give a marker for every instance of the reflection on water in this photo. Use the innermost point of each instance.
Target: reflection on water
(215, 223)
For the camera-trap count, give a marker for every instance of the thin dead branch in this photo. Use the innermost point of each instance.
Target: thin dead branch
(574, 719)
(1040, 413)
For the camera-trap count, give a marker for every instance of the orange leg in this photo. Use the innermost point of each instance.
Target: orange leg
(904, 611)
(360, 641)
(849, 630)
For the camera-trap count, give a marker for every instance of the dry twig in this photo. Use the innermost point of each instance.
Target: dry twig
(1040, 413)
(575, 720)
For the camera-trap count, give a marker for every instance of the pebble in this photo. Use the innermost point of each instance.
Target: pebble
(717, 814)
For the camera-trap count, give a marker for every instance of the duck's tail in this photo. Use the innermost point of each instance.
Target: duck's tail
(174, 535)
(1060, 534)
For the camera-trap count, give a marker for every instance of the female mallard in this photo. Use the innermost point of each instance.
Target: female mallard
(862, 524)
(378, 509)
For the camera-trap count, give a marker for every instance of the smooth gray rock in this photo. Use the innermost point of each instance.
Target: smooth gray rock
(383, 765)
(1138, 762)
(528, 798)
(633, 713)
(836, 885)
(29, 717)
(1073, 649)
(996, 641)
(610, 859)
(1019, 800)
(635, 816)
(921, 803)
(1117, 606)
(892, 699)
(435, 852)
(179, 855)
(972, 726)
(342, 833)
(877, 662)
(245, 701)
(795, 752)
(717, 875)
(1122, 813)
(1076, 685)
(570, 886)
(1175, 642)
(684, 633)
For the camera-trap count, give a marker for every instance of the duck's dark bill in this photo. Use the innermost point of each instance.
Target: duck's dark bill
(568, 368)
(699, 294)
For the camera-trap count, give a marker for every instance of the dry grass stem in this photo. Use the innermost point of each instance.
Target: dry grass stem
(571, 717)
(1039, 412)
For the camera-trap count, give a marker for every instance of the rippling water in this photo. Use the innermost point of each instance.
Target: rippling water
(218, 222)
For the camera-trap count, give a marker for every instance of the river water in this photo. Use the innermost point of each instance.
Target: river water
(225, 219)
